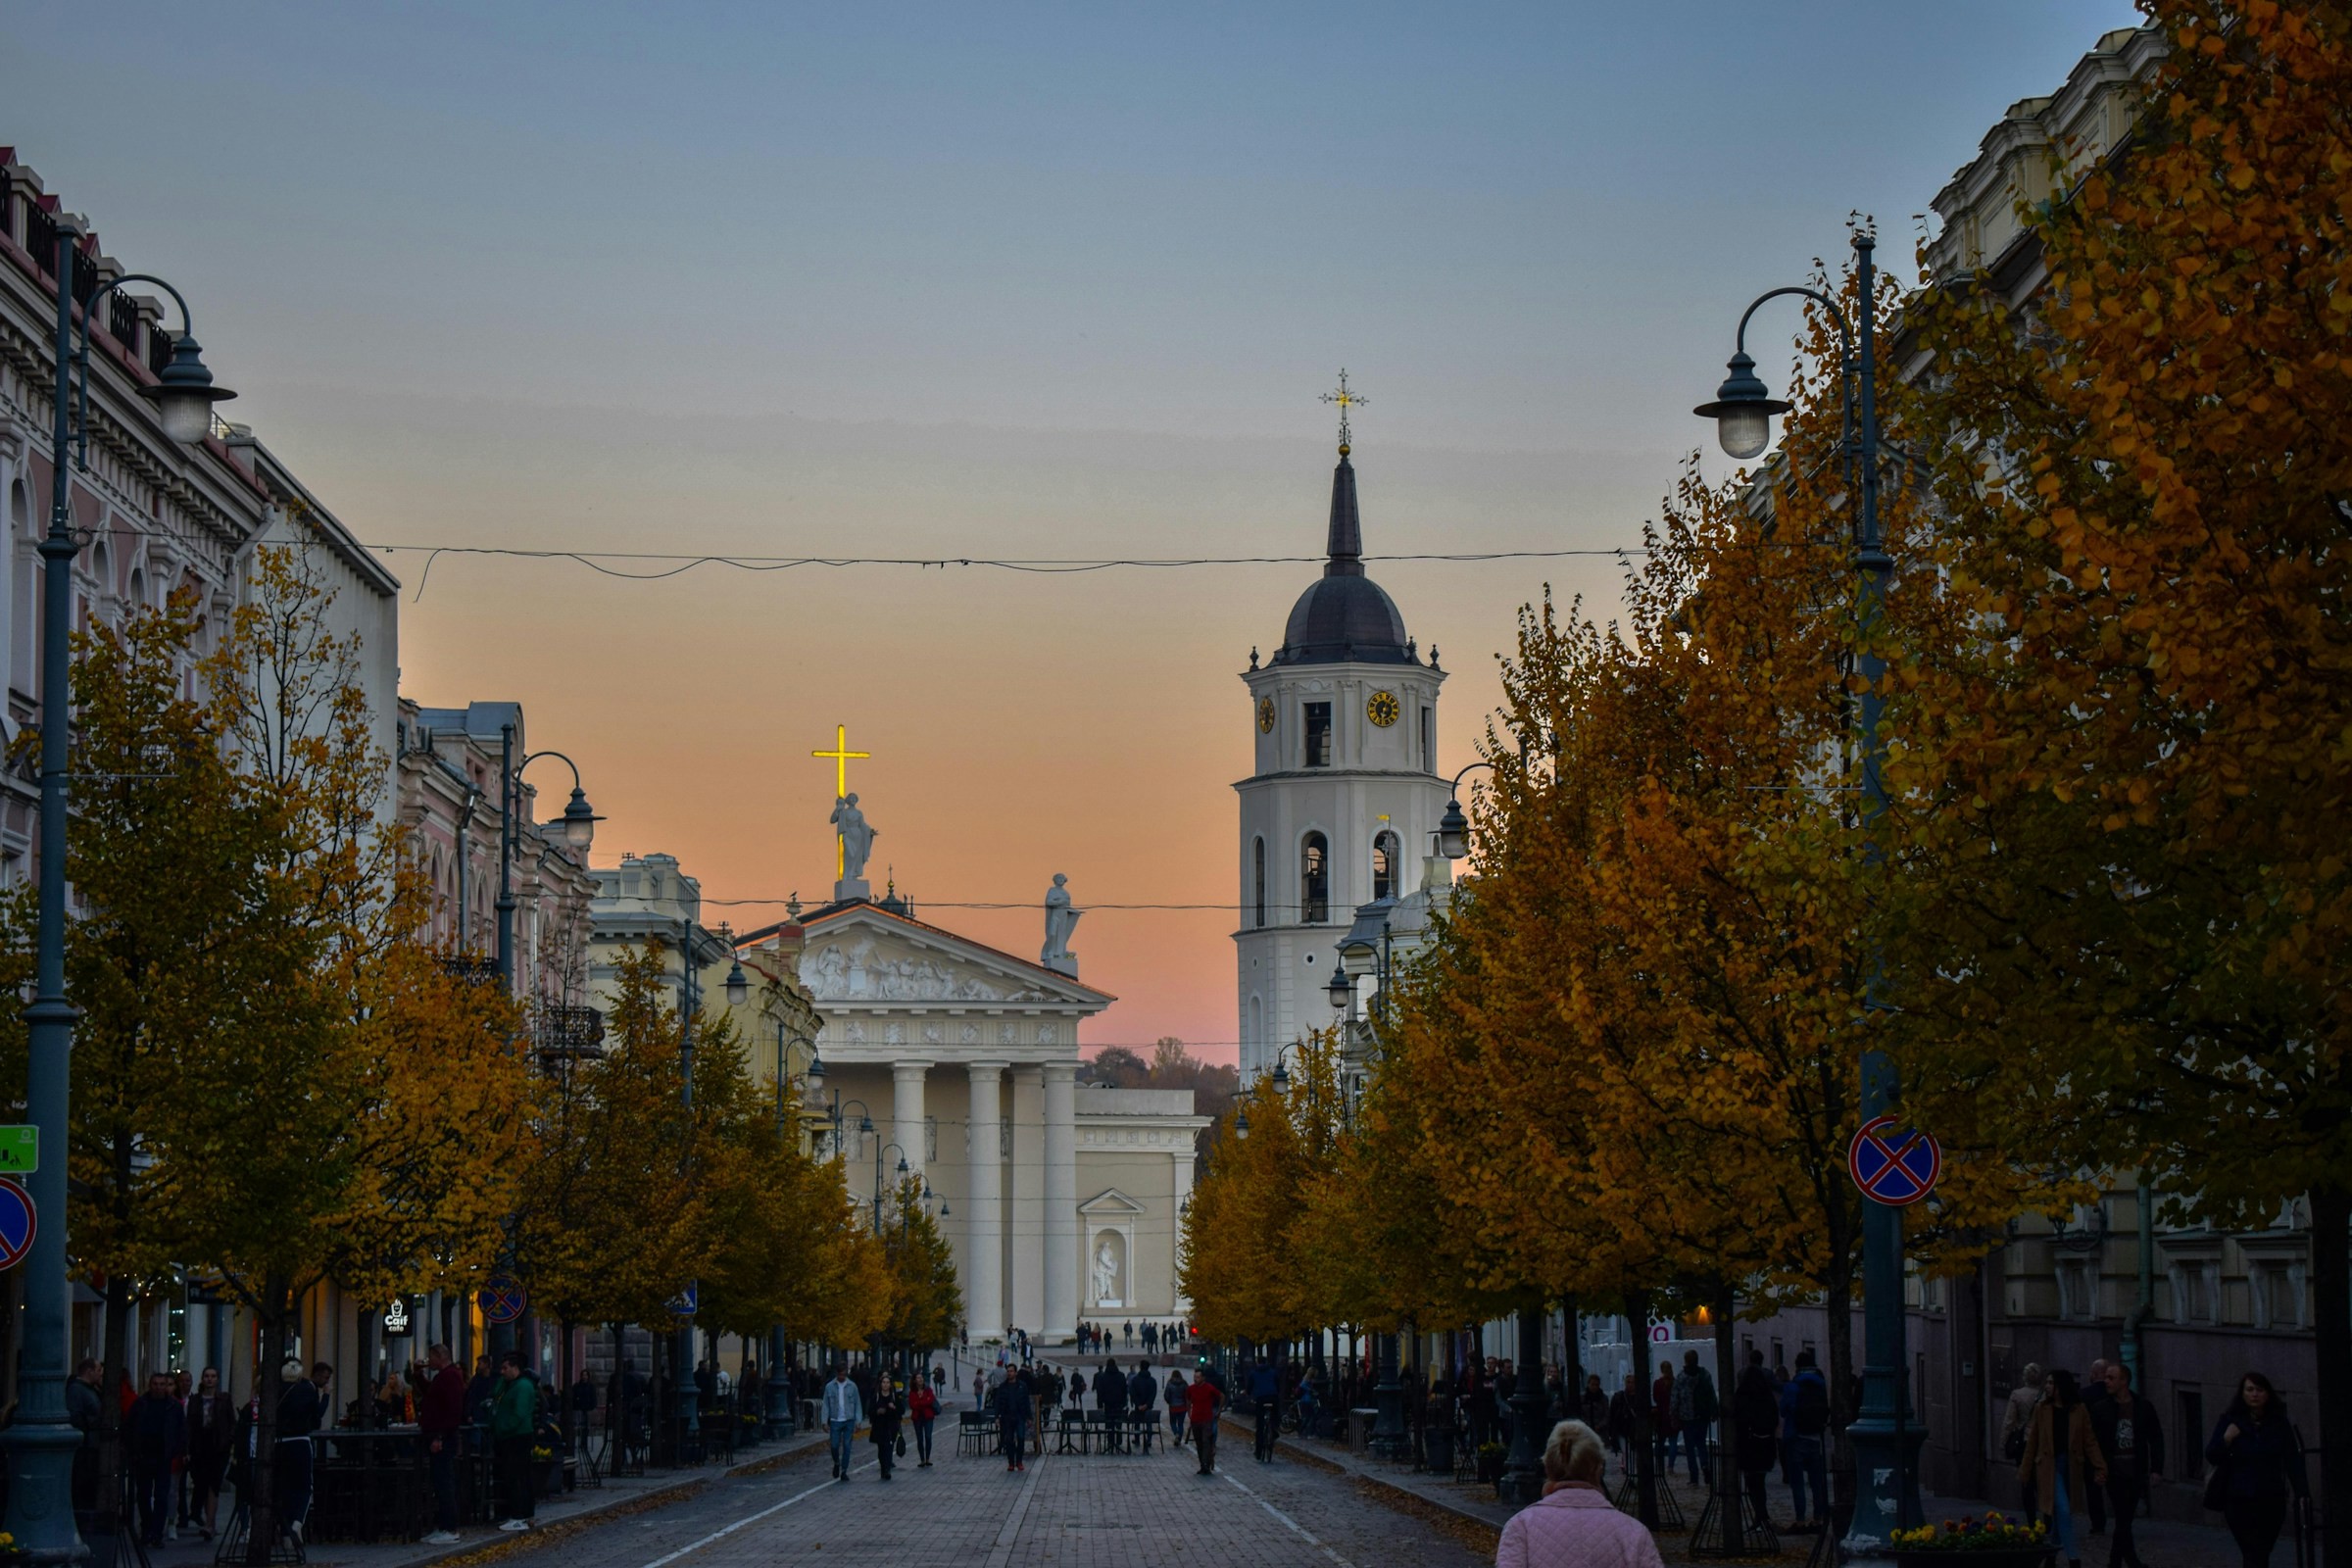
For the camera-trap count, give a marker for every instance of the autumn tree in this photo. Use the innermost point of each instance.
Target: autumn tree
(314, 1139)
(2125, 797)
(926, 1305)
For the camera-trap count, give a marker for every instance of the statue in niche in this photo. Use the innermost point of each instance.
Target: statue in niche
(1062, 918)
(856, 837)
(1107, 1274)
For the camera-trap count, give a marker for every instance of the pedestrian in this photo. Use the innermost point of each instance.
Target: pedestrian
(1012, 1402)
(845, 1408)
(922, 1409)
(299, 1410)
(1202, 1400)
(1110, 1398)
(1175, 1395)
(1593, 1407)
(1266, 1399)
(1077, 1389)
(1695, 1412)
(2059, 1448)
(481, 1391)
(158, 1437)
(82, 1411)
(2016, 1415)
(1756, 1427)
(1143, 1392)
(212, 1422)
(2257, 1461)
(514, 1423)
(1625, 1421)
(1805, 1435)
(440, 1418)
(2131, 1441)
(1665, 1432)
(882, 1423)
(1573, 1525)
(2095, 1396)
(979, 1387)
(1127, 1329)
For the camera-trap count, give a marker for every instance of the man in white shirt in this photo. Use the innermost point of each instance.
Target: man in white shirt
(843, 1412)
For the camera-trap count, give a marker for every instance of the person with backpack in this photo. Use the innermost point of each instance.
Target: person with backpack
(2062, 1461)
(1804, 1429)
(1694, 1411)
(2016, 1415)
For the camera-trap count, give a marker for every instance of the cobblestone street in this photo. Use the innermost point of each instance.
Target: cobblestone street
(1083, 1512)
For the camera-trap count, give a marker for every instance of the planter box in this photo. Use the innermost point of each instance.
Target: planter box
(2010, 1557)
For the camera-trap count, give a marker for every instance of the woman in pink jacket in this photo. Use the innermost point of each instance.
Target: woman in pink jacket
(1574, 1525)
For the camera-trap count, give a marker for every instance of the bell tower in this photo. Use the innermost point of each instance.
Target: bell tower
(1343, 798)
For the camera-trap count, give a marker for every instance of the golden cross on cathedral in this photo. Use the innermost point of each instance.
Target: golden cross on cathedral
(841, 757)
(1346, 400)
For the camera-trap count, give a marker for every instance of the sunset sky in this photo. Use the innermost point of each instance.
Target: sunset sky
(966, 282)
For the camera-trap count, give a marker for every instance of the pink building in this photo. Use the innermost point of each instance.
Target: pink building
(449, 767)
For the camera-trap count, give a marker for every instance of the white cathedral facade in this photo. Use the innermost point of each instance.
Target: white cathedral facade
(1062, 1200)
(1343, 800)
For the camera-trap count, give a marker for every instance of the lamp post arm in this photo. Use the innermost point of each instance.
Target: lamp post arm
(1847, 375)
(81, 353)
(559, 757)
(1456, 788)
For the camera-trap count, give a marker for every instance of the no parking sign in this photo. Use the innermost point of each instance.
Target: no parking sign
(17, 1223)
(1893, 1165)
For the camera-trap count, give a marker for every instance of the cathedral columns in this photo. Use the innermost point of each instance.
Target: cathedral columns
(906, 1113)
(1025, 1297)
(984, 1307)
(1061, 1251)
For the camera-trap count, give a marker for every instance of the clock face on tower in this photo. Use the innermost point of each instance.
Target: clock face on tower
(1265, 715)
(1381, 710)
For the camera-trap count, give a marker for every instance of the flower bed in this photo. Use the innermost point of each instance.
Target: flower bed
(1989, 1540)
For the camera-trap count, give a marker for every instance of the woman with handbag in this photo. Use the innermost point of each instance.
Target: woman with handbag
(2257, 1462)
(2060, 1447)
(882, 1422)
(922, 1408)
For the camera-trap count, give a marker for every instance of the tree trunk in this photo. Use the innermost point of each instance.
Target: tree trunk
(1645, 1467)
(1729, 1539)
(261, 1516)
(1572, 1362)
(1840, 1329)
(2331, 1302)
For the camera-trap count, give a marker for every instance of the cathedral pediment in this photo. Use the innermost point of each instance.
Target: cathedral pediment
(862, 957)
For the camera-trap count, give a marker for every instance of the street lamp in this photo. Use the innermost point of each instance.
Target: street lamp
(739, 989)
(41, 1439)
(684, 1400)
(579, 830)
(1454, 828)
(1887, 1437)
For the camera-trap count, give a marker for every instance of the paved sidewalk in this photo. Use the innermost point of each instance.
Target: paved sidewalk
(559, 1517)
(2163, 1543)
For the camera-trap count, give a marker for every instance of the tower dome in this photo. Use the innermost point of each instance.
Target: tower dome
(1343, 616)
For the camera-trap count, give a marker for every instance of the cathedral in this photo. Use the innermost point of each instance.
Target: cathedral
(1338, 812)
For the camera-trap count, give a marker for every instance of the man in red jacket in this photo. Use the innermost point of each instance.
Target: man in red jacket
(440, 1414)
(1202, 1399)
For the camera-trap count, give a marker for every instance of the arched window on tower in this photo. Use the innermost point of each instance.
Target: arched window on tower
(1315, 879)
(1384, 864)
(1258, 880)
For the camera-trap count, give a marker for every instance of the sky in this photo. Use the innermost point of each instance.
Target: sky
(956, 281)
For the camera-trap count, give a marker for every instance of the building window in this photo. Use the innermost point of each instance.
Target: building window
(1384, 864)
(1318, 734)
(1315, 880)
(1429, 739)
(2191, 1405)
(1257, 875)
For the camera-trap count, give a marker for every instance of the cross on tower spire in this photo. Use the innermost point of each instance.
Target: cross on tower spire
(1346, 400)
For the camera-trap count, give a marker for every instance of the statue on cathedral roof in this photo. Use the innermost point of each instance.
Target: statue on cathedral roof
(856, 837)
(1062, 918)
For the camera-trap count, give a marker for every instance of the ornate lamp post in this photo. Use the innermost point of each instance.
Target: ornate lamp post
(41, 1440)
(1887, 1438)
(685, 1399)
(778, 1414)
(579, 831)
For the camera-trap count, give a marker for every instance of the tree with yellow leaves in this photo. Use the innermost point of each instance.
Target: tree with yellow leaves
(2126, 798)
